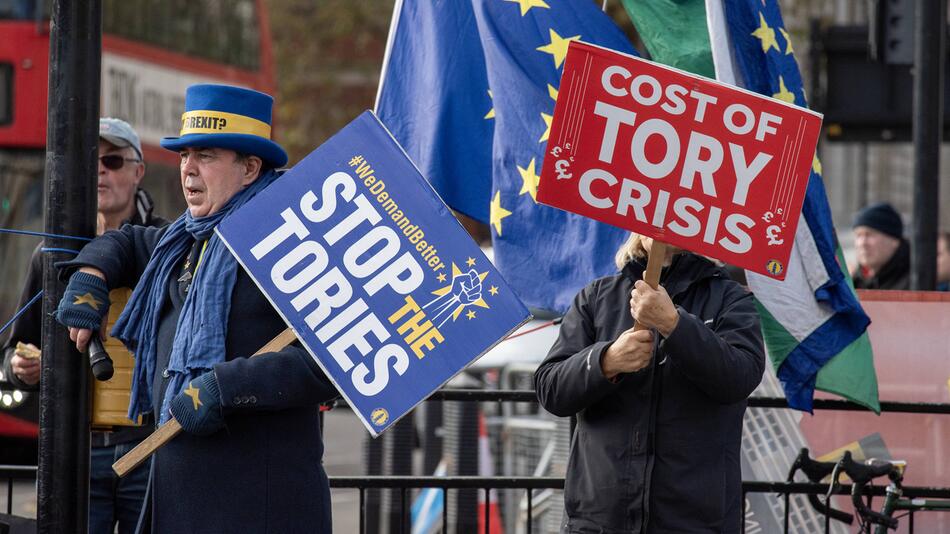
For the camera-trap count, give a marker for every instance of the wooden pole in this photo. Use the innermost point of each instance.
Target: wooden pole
(652, 274)
(171, 428)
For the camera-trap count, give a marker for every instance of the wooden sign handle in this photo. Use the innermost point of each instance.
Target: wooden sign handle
(652, 274)
(171, 428)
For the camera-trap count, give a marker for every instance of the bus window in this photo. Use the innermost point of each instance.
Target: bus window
(16, 9)
(22, 10)
(6, 93)
(221, 32)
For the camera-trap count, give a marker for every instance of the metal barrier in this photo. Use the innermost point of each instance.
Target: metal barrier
(529, 484)
(486, 484)
(526, 395)
(13, 473)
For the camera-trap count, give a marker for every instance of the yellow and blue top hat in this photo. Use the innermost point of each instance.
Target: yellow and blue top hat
(222, 116)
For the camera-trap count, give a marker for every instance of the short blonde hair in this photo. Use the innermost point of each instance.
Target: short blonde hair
(632, 248)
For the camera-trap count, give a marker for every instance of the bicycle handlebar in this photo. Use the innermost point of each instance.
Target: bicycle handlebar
(861, 475)
(816, 471)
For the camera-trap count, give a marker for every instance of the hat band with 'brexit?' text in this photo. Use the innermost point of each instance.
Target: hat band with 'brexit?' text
(204, 121)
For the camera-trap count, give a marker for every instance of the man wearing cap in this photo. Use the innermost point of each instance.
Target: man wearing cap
(882, 252)
(250, 456)
(120, 201)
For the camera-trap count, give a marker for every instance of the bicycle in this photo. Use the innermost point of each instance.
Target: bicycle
(816, 471)
(861, 475)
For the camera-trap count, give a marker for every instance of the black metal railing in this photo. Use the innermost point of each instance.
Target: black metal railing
(527, 395)
(12, 473)
(405, 484)
(485, 484)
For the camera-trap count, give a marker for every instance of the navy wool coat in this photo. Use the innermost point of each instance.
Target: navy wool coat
(263, 472)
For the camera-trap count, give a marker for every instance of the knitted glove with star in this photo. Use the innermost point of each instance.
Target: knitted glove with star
(198, 408)
(85, 302)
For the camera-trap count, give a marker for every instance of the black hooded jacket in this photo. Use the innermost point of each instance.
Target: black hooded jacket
(657, 450)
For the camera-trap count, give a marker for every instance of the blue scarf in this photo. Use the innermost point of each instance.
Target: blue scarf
(203, 323)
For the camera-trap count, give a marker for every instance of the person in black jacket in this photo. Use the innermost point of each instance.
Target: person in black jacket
(882, 252)
(121, 201)
(250, 456)
(659, 411)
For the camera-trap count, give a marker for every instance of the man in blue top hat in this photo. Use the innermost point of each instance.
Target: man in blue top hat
(250, 459)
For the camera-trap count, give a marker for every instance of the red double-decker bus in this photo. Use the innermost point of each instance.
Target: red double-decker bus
(151, 51)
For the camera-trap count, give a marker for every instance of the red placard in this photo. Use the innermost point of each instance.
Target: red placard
(680, 158)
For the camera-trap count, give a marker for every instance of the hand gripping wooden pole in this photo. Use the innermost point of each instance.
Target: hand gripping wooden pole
(171, 428)
(650, 276)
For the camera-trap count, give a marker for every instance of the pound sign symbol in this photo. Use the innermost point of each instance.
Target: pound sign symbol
(767, 217)
(556, 151)
(561, 167)
(772, 233)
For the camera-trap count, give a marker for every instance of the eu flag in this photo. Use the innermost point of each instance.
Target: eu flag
(545, 253)
(433, 97)
(436, 106)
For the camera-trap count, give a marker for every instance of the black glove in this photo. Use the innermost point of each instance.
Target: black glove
(85, 302)
(198, 408)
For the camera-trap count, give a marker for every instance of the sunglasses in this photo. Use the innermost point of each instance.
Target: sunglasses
(114, 162)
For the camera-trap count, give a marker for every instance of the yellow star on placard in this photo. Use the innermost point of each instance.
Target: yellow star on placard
(558, 47)
(441, 277)
(88, 299)
(547, 130)
(193, 392)
(470, 262)
(816, 165)
(529, 181)
(470, 314)
(788, 41)
(766, 34)
(528, 4)
(493, 290)
(552, 92)
(783, 93)
(497, 213)
(491, 112)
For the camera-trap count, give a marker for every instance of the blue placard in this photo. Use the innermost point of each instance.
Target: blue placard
(372, 272)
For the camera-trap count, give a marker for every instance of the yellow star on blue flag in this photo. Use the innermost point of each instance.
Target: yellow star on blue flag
(528, 4)
(558, 47)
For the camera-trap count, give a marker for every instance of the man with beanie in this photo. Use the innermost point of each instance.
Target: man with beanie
(250, 457)
(882, 252)
(112, 501)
